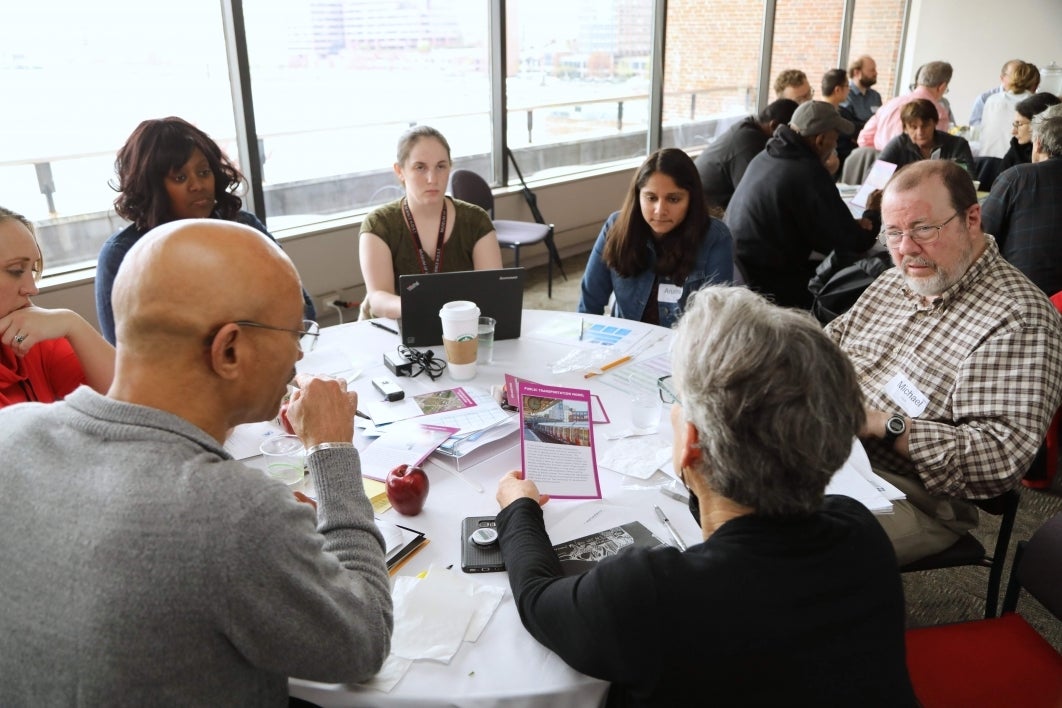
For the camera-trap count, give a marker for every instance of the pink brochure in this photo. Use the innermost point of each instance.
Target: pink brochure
(598, 414)
(557, 444)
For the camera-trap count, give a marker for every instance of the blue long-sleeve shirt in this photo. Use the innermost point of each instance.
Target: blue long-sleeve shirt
(714, 264)
(113, 253)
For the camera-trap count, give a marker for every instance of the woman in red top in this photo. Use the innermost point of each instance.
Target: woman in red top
(44, 354)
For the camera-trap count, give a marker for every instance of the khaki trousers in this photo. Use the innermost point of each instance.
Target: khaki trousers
(922, 524)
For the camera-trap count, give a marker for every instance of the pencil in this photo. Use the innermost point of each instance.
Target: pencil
(606, 367)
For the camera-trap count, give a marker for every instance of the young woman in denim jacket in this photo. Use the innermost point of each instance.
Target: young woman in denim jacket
(660, 247)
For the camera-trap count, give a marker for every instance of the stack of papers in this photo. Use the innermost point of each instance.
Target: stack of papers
(857, 480)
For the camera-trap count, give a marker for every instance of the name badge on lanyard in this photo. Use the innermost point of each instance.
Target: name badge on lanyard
(669, 293)
(906, 395)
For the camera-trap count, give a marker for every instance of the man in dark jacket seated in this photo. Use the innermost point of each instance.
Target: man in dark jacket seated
(793, 598)
(787, 206)
(723, 163)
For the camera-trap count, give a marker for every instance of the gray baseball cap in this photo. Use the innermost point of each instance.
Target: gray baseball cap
(816, 117)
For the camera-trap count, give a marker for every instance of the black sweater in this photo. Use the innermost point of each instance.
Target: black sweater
(764, 613)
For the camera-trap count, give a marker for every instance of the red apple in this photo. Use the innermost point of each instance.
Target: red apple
(282, 418)
(407, 488)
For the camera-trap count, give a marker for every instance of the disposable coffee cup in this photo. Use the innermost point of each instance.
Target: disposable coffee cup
(460, 330)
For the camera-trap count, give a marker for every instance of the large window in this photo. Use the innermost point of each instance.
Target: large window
(336, 83)
(710, 68)
(876, 29)
(578, 82)
(807, 36)
(333, 83)
(77, 79)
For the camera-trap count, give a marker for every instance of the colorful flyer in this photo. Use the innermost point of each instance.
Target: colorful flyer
(557, 445)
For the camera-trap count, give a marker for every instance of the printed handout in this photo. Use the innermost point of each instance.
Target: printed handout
(557, 444)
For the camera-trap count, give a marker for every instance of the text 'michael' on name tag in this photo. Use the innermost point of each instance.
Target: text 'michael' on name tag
(906, 395)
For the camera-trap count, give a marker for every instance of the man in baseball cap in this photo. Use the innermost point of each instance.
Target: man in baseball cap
(787, 206)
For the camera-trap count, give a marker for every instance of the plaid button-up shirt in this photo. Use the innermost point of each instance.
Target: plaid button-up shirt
(987, 354)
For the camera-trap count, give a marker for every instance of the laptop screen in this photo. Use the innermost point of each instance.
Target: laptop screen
(497, 293)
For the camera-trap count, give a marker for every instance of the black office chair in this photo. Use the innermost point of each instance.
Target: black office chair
(468, 186)
(969, 551)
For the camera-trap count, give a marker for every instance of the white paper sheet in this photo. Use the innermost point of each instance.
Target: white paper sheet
(431, 615)
(638, 457)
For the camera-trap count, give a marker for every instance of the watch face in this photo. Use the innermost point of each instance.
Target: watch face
(896, 425)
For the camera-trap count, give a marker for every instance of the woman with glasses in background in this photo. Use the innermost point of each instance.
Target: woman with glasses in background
(44, 354)
(168, 169)
(1020, 152)
(425, 231)
(792, 594)
(660, 247)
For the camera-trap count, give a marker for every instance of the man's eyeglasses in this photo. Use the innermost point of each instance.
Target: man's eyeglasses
(307, 335)
(926, 233)
(666, 390)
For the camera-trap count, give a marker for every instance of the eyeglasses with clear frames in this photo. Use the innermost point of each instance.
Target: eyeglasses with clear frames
(926, 233)
(666, 391)
(307, 335)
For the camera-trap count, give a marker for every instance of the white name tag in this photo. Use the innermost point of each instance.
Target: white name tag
(906, 395)
(668, 292)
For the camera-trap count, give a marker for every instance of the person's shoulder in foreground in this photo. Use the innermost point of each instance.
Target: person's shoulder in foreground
(787, 583)
(199, 580)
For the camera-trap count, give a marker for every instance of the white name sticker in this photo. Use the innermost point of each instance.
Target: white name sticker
(669, 292)
(906, 395)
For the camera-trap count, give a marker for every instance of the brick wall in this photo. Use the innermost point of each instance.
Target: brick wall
(713, 49)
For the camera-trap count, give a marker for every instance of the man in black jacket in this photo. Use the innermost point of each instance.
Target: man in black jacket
(723, 163)
(788, 207)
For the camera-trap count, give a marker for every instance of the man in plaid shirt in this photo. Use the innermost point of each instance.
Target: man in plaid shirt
(959, 357)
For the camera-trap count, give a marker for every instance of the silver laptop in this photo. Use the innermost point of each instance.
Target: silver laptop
(498, 293)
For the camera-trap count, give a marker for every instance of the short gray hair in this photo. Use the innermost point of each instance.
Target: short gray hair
(934, 74)
(1047, 132)
(775, 402)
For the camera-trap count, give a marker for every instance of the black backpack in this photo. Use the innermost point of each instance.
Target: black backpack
(837, 286)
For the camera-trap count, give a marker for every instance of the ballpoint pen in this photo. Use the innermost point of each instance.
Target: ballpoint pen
(384, 327)
(670, 529)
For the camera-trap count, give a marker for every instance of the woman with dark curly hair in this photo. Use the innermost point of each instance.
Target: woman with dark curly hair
(168, 169)
(660, 247)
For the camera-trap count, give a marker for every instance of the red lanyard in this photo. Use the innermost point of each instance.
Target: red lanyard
(421, 255)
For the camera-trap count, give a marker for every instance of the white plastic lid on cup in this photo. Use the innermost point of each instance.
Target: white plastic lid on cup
(462, 313)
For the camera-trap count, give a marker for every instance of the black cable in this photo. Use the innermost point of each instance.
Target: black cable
(425, 362)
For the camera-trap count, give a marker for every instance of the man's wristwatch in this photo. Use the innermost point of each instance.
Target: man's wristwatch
(895, 426)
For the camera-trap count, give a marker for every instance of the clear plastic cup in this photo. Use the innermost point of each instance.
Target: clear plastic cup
(285, 458)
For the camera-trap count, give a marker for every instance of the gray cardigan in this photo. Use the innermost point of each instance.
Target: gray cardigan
(141, 565)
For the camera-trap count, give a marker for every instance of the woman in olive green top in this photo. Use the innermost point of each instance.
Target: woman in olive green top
(424, 231)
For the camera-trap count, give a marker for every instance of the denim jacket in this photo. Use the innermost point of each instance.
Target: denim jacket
(715, 264)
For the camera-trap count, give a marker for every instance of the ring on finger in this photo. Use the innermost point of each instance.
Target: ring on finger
(20, 338)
